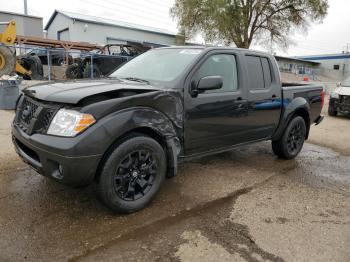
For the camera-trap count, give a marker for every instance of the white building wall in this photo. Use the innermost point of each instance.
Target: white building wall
(327, 68)
(60, 23)
(333, 66)
(98, 34)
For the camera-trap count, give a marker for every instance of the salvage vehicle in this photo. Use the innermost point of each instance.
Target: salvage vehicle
(339, 101)
(105, 61)
(57, 57)
(129, 131)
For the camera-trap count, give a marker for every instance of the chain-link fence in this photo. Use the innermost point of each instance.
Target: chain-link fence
(40, 63)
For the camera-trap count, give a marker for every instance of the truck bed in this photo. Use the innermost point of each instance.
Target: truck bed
(313, 93)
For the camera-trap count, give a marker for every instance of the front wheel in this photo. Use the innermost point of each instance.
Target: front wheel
(292, 141)
(332, 111)
(132, 174)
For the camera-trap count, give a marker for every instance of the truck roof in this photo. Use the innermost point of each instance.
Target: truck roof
(209, 48)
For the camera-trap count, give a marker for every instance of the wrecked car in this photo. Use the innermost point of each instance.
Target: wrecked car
(339, 101)
(128, 132)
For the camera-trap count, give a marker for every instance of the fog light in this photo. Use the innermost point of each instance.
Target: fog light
(60, 168)
(58, 173)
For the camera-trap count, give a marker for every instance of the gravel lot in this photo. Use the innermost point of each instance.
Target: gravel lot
(243, 205)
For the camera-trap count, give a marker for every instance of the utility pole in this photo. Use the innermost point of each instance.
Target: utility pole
(25, 7)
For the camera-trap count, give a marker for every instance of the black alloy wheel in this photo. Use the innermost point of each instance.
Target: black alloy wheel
(295, 139)
(132, 173)
(290, 144)
(135, 175)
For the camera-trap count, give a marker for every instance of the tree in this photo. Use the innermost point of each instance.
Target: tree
(242, 21)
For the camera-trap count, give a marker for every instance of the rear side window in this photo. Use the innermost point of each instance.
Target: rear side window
(267, 71)
(255, 73)
(259, 72)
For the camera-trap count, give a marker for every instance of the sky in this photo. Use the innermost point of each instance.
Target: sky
(331, 36)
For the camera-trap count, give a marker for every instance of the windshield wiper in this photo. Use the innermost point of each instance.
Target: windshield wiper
(140, 80)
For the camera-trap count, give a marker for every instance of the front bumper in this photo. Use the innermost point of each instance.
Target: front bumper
(339, 105)
(46, 154)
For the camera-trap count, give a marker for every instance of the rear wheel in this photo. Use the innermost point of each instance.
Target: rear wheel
(292, 140)
(132, 174)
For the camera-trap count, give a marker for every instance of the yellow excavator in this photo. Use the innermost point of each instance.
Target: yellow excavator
(8, 60)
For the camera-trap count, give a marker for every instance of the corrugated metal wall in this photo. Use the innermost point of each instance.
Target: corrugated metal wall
(26, 25)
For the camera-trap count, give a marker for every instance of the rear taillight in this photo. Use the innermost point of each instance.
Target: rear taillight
(323, 93)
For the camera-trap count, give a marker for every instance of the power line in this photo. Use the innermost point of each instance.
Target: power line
(127, 12)
(135, 8)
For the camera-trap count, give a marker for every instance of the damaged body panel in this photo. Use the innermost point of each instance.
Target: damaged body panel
(120, 109)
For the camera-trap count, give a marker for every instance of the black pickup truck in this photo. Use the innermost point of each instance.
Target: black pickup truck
(129, 131)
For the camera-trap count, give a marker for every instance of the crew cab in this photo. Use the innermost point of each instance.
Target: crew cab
(129, 131)
(339, 101)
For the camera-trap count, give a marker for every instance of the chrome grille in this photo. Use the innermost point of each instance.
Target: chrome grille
(345, 100)
(27, 112)
(48, 116)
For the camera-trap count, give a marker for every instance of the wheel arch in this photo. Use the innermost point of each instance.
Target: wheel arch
(305, 115)
(171, 146)
(297, 107)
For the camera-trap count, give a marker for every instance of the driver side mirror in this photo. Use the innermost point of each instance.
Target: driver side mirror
(339, 84)
(207, 83)
(210, 83)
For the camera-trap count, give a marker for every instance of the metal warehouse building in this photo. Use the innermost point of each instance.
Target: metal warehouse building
(83, 28)
(26, 25)
(336, 66)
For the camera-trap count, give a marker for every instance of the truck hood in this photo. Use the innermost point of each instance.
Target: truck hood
(71, 92)
(343, 90)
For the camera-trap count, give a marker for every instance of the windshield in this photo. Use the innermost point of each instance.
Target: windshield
(346, 82)
(162, 65)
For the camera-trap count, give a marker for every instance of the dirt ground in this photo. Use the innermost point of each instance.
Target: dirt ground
(243, 205)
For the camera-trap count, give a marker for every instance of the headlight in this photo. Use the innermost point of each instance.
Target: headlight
(69, 123)
(335, 95)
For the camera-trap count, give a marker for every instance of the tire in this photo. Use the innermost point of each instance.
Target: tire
(292, 140)
(96, 72)
(33, 63)
(129, 180)
(74, 72)
(331, 111)
(7, 61)
(36, 68)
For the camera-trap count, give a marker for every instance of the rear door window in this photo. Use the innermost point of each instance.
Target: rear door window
(255, 73)
(259, 72)
(267, 71)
